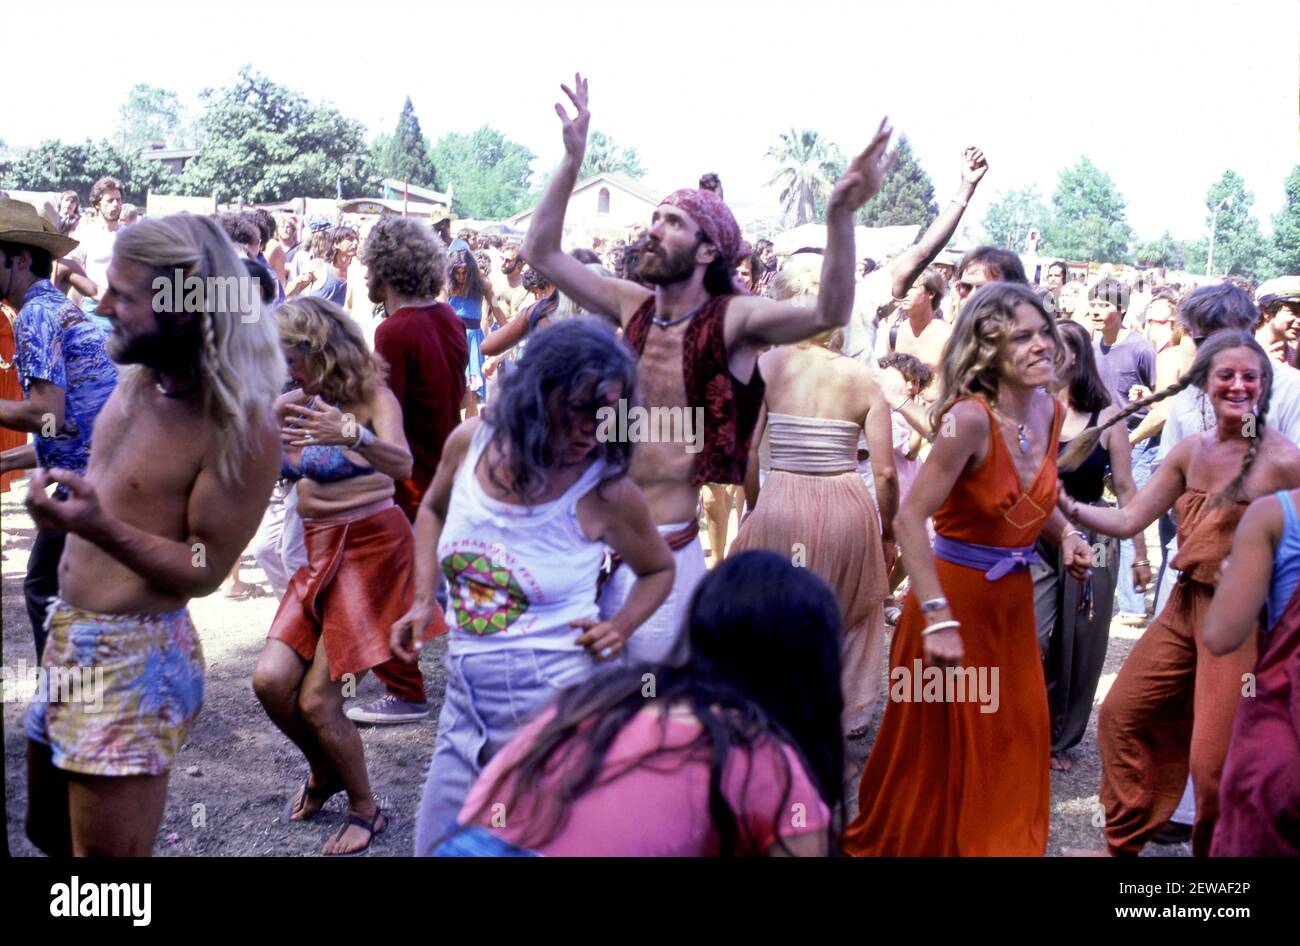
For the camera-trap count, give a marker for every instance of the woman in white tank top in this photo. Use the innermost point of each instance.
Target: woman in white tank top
(524, 503)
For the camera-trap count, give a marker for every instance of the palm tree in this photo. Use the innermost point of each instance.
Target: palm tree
(604, 154)
(808, 168)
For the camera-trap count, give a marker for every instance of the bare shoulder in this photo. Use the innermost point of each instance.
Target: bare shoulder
(969, 420)
(613, 494)
(458, 440)
(774, 359)
(1283, 458)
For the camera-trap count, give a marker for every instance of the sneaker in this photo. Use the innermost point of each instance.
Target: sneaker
(389, 710)
(892, 614)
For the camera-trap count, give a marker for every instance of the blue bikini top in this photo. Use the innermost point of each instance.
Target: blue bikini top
(323, 464)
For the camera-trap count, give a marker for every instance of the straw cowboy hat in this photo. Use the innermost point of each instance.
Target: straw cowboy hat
(20, 223)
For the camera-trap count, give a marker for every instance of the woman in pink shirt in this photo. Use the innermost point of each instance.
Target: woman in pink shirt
(737, 753)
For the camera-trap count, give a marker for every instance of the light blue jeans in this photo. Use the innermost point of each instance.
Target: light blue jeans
(1129, 600)
(489, 697)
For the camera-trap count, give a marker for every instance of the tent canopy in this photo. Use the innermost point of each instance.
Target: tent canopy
(876, 242)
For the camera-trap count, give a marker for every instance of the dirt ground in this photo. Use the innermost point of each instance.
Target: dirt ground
(236, 774)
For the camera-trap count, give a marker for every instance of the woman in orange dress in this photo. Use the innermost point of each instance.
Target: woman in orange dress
(960, 766)
(10, 390)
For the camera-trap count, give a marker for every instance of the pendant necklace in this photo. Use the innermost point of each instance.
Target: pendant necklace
(669, 323)
(1022, 439)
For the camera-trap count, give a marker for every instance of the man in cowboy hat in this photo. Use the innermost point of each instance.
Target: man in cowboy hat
(65, 373)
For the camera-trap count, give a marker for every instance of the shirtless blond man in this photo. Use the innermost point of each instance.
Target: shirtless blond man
(185, 454)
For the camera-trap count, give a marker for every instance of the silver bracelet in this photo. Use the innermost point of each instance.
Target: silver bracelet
(959, 202)
(1073, 532)
(934, 604)
(940, 626)
(364, 439)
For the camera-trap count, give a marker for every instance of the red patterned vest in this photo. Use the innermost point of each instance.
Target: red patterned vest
(730, 408)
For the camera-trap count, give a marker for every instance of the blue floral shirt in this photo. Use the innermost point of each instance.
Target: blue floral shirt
(55, 341)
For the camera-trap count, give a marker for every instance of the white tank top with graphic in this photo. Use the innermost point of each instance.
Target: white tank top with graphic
(517, 575)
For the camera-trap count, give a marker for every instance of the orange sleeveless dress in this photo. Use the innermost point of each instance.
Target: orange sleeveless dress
(971, 777)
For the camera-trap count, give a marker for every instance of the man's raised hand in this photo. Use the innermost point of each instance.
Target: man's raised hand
(862, 180)
(973, 165)
(575, 129)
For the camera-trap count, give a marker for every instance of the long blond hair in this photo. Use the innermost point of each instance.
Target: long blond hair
(340, 365)
(971, 354)
(801, 278)
(241, 366)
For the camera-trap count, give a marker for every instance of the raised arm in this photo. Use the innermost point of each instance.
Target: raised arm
(616, 298)
(759, 322)
(905, 267)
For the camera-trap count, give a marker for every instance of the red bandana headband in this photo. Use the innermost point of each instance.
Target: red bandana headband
(714, 218)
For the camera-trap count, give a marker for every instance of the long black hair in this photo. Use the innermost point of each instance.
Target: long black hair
(764, 669)
(579, 358)
(1087, 390)
(473, 288)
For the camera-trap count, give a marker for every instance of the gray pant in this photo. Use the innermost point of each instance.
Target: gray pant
(489, 697)
(1073, 634)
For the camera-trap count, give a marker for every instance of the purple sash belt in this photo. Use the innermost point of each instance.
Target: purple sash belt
(994, 560)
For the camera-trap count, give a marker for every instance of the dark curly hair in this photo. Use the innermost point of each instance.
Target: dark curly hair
(407, 256)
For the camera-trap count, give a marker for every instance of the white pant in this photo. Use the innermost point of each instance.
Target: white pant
(280, 545)
(662, 638)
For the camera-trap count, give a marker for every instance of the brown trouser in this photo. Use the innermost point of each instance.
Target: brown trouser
(1172, 705)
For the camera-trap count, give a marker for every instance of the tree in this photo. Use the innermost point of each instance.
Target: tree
(604, 155)
(1008, 222)
(404, 155)
(149, 114)
(266, 142)
(1286, 229)
(906, 195)
(808, 167)
(1165, 251)
(1238, 246)
(1088, 220)
(488, 174)
(58, 166)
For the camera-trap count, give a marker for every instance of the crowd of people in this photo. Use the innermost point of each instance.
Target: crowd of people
(411, 431)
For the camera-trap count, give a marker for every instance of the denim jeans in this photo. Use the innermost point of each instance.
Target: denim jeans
(1127, 599)
(479, 842)
(490, 695)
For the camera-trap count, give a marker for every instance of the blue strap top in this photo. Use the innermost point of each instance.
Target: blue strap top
(1286, 562)
(335, 289)
(469, 308)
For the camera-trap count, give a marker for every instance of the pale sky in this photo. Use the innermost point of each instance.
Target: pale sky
(1164, 96)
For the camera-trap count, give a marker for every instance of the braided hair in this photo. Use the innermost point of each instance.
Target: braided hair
(1199, 375)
